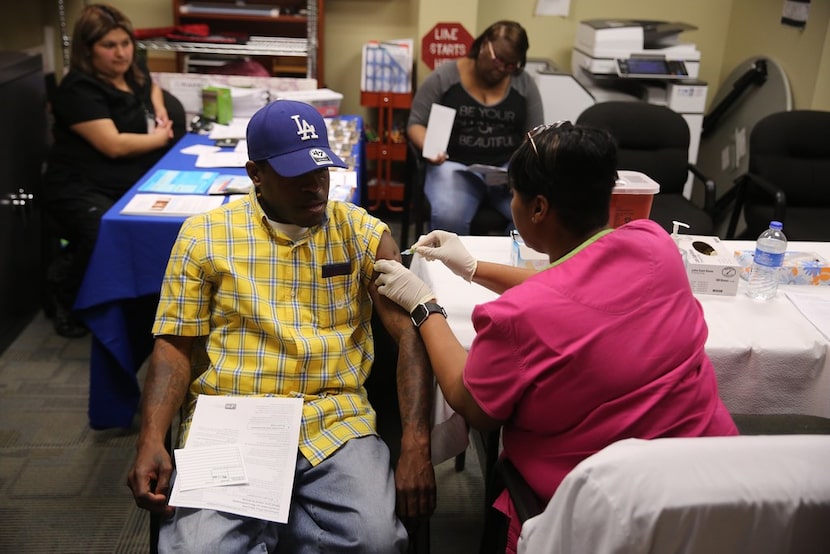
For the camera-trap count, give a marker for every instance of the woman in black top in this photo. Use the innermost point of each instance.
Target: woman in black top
(496, 103)
(110, 127)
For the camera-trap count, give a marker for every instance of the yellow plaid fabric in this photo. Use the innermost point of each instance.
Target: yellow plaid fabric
(281, 317)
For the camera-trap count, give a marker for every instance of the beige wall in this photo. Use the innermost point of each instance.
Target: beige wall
(729, 31)
(23, 29)
(756, 29)
(351, 23)
(553, 37)
(821, 97)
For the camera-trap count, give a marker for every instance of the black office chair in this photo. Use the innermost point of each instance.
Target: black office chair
(788, 178)
(487, 220)
(655, 140)
(176, 113)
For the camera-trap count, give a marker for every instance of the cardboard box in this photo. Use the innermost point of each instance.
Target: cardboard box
(711, 267)
(632, 197)
(187, 87)
(217, 104)
(799, 268)
(522, 255)
(325, 100)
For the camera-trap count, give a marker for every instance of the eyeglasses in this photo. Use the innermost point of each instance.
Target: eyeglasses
(539, 129)
(502, 65)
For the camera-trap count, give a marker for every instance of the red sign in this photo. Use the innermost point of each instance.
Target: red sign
(445, 42)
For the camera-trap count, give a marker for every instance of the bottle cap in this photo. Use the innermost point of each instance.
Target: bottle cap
(776, 225)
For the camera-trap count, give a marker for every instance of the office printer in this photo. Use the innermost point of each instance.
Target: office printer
(632, 48)
(629, 60)
(625, 59)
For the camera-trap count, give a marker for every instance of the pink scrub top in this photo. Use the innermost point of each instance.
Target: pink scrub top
(606, 344)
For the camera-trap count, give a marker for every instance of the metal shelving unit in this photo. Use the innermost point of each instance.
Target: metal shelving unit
(259, 26)
(272, 46)
(385, 151)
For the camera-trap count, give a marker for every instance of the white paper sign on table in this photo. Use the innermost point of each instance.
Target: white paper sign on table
(815, 308)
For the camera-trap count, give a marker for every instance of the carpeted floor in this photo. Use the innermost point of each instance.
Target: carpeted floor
(62, 484)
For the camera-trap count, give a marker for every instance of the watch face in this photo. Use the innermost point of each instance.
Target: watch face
(422, 312)
(419, 314)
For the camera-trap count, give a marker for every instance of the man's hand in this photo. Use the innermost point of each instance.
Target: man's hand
(400, 285)
(149, 479)
(447, 247)
(414, 484)
(166, 385)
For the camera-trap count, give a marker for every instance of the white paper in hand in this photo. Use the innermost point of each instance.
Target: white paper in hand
(439, 128)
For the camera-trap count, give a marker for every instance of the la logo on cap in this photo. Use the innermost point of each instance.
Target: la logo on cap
(305, 130)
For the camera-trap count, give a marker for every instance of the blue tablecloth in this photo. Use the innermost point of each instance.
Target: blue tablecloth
(118, 296)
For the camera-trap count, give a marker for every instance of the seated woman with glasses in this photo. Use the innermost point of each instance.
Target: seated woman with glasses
(496, 102)
(604, 344)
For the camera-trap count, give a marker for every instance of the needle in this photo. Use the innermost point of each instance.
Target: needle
(408, 252)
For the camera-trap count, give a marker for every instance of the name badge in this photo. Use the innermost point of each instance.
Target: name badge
(333, 270)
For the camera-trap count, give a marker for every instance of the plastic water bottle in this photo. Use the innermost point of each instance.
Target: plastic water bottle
(769, 256)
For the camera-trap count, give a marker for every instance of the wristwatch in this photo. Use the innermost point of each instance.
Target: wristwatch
(423, 311)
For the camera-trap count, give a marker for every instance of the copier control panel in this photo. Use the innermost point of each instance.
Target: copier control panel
(642, 67)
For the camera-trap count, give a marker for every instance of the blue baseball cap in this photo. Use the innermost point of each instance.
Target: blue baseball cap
(292, 137)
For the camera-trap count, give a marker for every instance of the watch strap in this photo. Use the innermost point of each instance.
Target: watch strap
(423, 311)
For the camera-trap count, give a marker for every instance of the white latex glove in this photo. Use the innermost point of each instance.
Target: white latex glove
(447, 247)
(400, 285)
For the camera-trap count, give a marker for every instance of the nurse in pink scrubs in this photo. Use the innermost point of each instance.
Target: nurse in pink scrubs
(604, 344)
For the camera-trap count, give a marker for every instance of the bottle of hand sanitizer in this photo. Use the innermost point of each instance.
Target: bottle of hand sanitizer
(675, 235)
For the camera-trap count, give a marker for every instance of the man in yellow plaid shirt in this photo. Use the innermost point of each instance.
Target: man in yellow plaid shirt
(277, 290)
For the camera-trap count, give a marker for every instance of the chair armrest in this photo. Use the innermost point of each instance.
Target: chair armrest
(525, 501)
(742, 185)
(709, 189)
(413, 194)
(778, 196)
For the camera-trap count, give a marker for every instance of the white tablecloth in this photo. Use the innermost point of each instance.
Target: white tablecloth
(701, 495)
(768, 357)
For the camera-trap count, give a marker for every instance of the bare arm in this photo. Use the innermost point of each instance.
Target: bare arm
(105, 137)
(416, 134)
(168, 379)
(159, 108)
(448, 359)
(450, 250)
(414, 474)
(500, 277)
(446, 355)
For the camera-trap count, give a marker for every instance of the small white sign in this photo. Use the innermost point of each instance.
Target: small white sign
(553, 7)
(439, 128)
